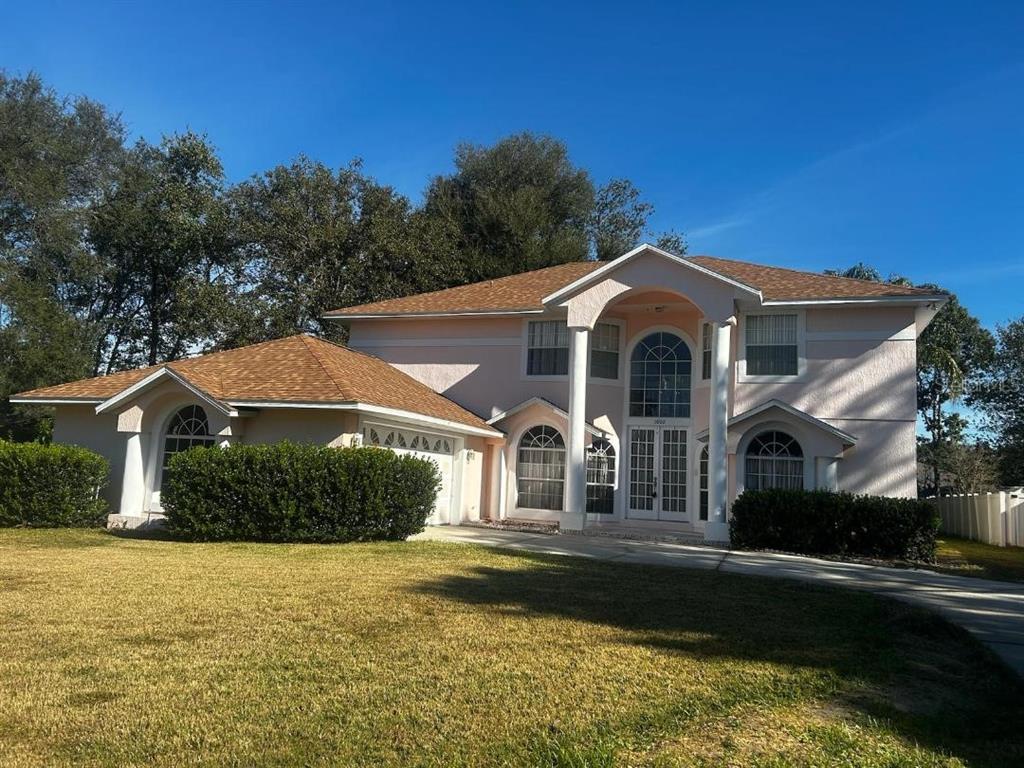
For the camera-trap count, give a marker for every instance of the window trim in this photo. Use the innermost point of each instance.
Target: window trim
(699, 380)
(525, 352)
(614, 485)
(771, 429)
(801, 348)
(704, 484)
(207, 440)
(797, 431)
(514, 485)
(527, 376)
(634, 342)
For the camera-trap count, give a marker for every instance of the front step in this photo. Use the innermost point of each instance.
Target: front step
(692, 538)
(519, 526)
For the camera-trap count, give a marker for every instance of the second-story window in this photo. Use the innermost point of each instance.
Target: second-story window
(604, 351)
(705, 351)
(547, 352)
(771, 345)
(547, 349)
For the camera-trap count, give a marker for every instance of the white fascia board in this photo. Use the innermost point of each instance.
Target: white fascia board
(158, 375)
(866, 300)
(396, 413)
(846, 437)
(55, 400)
(611, 266)
(429, 315)
(547, 404)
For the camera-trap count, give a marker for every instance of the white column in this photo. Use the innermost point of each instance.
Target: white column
(716, 528)
(576, 467)
(502, 483)
(133, 481)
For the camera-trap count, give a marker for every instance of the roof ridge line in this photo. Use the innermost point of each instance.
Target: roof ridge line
(169, 367)
(305, 337)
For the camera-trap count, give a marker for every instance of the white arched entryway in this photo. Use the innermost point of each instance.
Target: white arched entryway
(657, 419)
(715, 297)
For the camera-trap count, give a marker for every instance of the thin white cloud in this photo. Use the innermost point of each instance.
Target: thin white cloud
(759, 203)
(717, 228)
(980, 274)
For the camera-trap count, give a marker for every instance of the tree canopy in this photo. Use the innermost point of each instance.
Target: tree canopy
(115, 255)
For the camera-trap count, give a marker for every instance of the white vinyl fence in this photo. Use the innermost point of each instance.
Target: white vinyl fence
(993, 518)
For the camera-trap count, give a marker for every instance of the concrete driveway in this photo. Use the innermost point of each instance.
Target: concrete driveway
(993, 611)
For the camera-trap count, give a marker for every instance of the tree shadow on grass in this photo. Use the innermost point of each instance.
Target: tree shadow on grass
(930, 681)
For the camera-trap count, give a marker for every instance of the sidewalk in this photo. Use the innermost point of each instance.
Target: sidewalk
(993, 611)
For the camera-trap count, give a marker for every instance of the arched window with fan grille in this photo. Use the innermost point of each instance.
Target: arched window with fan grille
(188, 428)
(774, 459)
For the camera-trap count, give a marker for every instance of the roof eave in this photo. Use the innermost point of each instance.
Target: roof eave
(611, 266)
(860, 300)
(543, 403)
(45, 400)
(847, 439)
(158, 375)
(352, 405)
(428, 315)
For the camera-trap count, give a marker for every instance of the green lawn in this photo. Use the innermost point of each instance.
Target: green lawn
(972, 558)
(127, 652)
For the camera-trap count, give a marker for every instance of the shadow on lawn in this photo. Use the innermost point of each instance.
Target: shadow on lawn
(933, 683)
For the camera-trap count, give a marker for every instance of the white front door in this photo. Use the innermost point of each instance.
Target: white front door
(657, 474)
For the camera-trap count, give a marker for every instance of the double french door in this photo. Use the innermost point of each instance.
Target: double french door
(657, 474)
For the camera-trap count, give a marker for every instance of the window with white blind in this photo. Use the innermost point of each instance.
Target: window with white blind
(540, 469)
(604, 351)
(188, 428)
(772, 345)
(601, 477)
(547, 349)
(702, 478)
(774, 460)
(705, 351)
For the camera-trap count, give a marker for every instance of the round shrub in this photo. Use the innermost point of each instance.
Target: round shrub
(828, 523)
(51, 486)
(299, 493)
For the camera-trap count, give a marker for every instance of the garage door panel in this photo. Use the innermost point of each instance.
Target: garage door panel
(423, 445)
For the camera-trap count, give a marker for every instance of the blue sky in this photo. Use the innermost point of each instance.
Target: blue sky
(807, 135)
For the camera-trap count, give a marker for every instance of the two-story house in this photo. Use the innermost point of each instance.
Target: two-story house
(649, 390)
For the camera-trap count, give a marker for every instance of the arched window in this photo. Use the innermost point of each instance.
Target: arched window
(702, 477)
(188, 428)
(774, 460)
(659, 377)
(540, 469)
(600, 477)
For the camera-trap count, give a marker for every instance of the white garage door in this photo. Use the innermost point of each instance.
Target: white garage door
(436, 448)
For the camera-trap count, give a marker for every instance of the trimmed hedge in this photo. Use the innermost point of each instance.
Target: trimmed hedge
(287, 492)
(51, 486)
(829, 523)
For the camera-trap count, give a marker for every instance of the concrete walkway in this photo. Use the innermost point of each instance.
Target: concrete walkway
(993, 611)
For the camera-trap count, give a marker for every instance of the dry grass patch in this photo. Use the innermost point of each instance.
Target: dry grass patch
(963, 557)
(127, 652)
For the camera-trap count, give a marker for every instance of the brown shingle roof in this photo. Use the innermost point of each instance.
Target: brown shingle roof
(298, 369)
(504, 294)
(782, 284)
(526, 291)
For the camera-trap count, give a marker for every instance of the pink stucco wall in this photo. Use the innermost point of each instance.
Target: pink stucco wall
(80, 425)
(859, 375)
